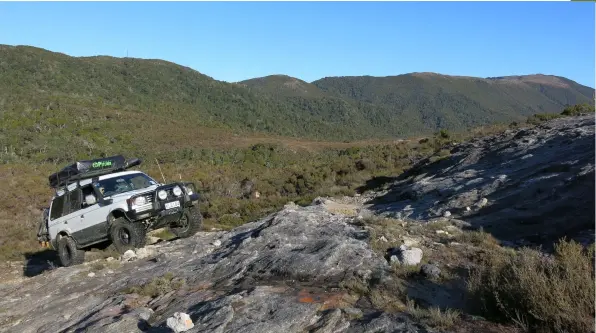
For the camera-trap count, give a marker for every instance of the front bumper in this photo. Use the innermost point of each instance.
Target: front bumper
(157, 209)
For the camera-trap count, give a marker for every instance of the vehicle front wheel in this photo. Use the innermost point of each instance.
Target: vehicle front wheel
(189, 224)
(126, 235)
(68, 252)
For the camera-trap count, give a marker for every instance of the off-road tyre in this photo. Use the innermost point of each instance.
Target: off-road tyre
(127, 235)
(190, 223)
(68, 253)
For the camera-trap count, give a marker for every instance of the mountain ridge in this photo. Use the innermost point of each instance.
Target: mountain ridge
(289, 76)
(331, 108)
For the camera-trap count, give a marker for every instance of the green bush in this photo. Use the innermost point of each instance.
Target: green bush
(576, 110)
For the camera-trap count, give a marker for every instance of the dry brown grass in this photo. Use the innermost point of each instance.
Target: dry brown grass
(478, 238)
(536, 292)
(434, 316)
(158, 286)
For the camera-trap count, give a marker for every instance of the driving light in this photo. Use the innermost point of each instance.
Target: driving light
(177, 191)
(140, 201)
(162, 195)
(188, 190)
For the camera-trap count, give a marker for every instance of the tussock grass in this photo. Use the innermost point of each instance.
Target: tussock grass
(433, 316)
(536, 292)
(439, 225)
(406, 271)
(478, 238)
(158, 286)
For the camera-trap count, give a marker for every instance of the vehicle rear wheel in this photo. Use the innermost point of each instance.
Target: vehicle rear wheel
(68, 252)
(189, 224)
(126, 235)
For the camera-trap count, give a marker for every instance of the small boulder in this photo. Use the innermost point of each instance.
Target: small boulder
(216, 243)
(290, 206)
(180, 322)
(129, 255)
(411, 257)
(91, 274)
(318, 201)
(153, 240)
(430, 271)
(446, 213)
(145, 313)
(144, 253)
(353, 313)
(482, 203)
(406, 256)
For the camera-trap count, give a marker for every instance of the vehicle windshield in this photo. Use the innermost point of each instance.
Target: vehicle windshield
(125, 183)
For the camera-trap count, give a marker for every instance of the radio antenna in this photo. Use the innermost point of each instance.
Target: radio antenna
(164, 178)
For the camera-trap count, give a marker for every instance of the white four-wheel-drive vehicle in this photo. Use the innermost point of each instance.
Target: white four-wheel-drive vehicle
(100, 200)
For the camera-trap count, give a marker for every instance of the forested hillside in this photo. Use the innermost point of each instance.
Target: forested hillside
(127, 101)
(431, 100)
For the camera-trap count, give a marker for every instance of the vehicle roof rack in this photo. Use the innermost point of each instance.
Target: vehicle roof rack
(90, 168)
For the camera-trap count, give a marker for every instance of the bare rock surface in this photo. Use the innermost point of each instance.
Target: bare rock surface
(531, 185)
(280, 274)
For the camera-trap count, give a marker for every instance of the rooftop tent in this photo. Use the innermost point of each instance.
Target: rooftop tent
(90, 168)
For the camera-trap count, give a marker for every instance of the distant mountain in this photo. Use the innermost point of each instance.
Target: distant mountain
(284, 86)
(50, 100)
(441, 101)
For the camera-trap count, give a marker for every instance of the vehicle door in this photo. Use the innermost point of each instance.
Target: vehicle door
(57, 218)
(90, 221)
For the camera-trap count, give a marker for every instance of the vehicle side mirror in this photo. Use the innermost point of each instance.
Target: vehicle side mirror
(90, 200)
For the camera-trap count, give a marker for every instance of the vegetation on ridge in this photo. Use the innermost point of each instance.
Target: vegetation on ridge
(41, 89)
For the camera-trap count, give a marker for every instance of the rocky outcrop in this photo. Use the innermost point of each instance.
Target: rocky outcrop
(280, 274)
(525, 186)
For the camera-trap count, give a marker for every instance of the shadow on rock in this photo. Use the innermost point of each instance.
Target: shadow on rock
(38, 262)
(375, 183)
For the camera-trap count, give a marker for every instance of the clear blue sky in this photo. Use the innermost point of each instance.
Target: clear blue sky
(309, 40)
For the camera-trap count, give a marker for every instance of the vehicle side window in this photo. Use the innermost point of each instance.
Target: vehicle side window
(87, 190)
(74, 201)
(57, 208)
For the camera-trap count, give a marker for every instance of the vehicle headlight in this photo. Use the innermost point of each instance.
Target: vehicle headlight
(140, 201)
(177, 191)
(162, 195)
(188, 190)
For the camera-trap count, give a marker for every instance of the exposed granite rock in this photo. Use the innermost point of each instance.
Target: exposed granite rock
(430, 270)
(535, 183)
(250, 283)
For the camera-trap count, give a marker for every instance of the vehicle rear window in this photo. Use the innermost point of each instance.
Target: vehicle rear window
(57, 208)
(74, 200)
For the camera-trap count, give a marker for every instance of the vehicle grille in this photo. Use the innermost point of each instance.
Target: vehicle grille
(149, 198)
(148, 205)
